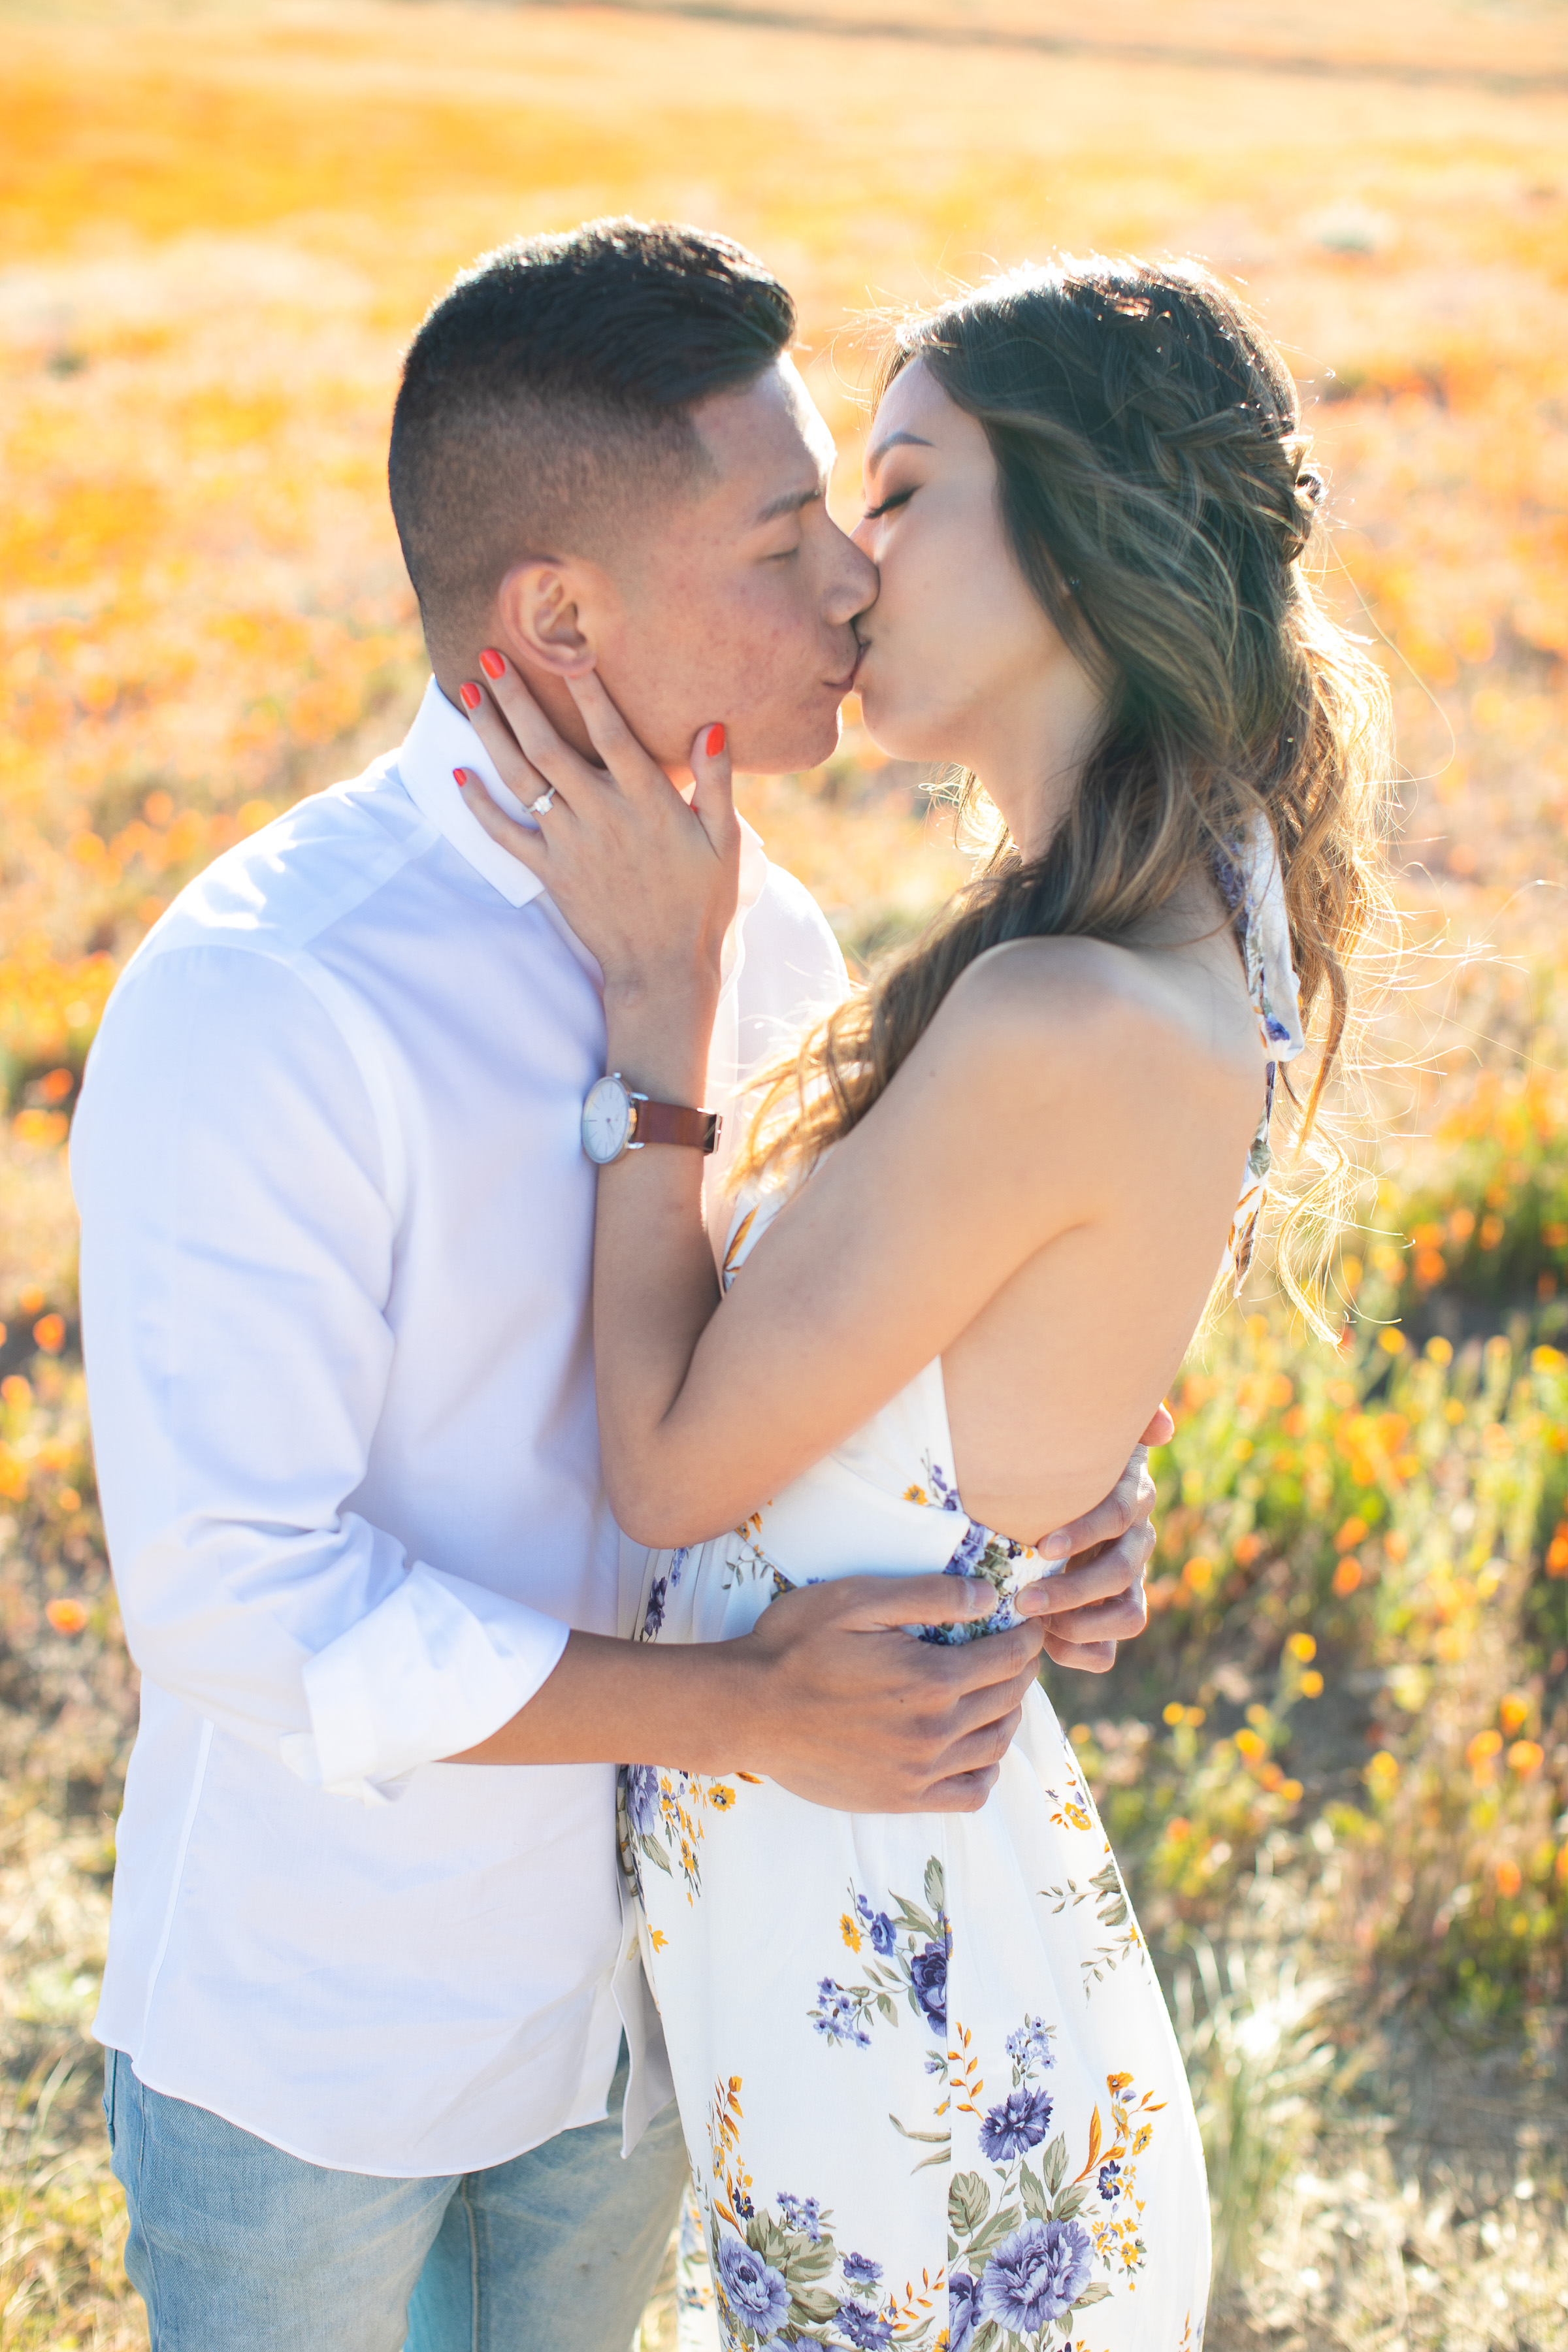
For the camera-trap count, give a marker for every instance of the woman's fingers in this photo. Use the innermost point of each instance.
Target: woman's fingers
(1162, 1427)
(512, 764)
(1113, 1572)
(713, 801)
(1128, 1505)
(525, 842)
(632, 767)
(507, 715)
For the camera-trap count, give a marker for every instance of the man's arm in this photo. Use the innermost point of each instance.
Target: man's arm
(236, 1253)
(238, 1222)
(828, 1695)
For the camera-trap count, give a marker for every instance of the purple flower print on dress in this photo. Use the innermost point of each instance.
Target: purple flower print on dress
(1030, 2047)
(653, 1617)
(1019, 2123)
(802, 2213)
(642, 1798)
(1110, 2183)
(878, 1926)
(754, 2291)
(927, 1969)
(971, 1549)
(677, 1560)
(963, 2297)
(860, 2271)
(863, 2327)
(941, 1487)
(836, 2016)
(1036, 2275)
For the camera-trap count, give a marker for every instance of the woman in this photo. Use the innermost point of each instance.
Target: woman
(930, 2090)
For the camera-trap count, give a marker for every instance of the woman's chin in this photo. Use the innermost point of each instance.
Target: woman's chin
(893, 726)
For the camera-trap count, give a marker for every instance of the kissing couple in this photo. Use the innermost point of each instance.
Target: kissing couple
(597, 1420)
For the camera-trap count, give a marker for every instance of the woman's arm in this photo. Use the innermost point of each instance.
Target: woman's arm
(1097, 1599)
(902, 1236)
(1009, 1107)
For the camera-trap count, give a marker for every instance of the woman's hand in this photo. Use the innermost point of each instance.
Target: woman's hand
(648, 884)
(1098, 1599)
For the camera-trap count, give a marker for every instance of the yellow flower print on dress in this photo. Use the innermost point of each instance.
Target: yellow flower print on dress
(660, 1818)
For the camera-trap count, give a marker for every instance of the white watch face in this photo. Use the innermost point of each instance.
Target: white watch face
(606, 1120)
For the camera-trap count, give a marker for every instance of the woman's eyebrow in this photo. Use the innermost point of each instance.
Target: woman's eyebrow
(894, 441)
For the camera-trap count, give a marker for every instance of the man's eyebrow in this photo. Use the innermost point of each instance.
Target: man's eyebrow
(791, 502)
(894, 441)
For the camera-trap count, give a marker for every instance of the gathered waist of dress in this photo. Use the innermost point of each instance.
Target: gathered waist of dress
(831, 1523)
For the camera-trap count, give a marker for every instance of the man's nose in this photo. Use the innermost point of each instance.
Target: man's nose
(852, 581)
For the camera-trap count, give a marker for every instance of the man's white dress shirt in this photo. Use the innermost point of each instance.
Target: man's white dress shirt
(335, 1274)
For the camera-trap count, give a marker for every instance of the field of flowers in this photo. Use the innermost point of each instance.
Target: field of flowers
(1337, 1767)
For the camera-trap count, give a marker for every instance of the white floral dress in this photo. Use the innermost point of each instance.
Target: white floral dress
(930, 2090)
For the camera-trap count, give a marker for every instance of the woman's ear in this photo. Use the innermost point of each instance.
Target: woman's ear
(542, 613)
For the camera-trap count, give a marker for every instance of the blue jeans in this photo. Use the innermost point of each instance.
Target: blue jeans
(236, 2247)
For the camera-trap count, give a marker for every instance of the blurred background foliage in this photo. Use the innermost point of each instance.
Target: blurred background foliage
(1337, 1765)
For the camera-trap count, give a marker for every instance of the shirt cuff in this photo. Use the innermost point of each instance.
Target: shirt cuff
(434, 1668)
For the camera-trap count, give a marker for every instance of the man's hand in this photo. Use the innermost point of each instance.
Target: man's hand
(829, 1694)
(1099, 1600)
(847, 1710)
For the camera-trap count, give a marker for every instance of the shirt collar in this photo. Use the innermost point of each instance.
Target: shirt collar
(439, 740)
(442, 738)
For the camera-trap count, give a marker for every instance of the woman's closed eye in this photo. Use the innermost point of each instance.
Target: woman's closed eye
(897, 499)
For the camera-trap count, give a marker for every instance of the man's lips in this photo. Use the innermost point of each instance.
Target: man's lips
(843, 685)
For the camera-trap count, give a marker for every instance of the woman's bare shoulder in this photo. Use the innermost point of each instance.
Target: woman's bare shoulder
(1086, 1001)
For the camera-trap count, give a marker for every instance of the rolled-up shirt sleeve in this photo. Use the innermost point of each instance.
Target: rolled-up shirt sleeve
(233, 1158)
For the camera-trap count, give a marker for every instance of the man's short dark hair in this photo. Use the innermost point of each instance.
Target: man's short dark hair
(552, 386)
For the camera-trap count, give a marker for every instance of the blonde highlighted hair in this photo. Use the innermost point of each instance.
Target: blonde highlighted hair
(1159, 497)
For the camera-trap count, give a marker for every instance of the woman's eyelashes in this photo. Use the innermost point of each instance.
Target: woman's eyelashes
(899, 498)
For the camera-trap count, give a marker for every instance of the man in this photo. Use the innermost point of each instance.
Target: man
(369, 1980)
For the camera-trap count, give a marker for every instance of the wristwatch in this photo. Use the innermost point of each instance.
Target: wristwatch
(616, 1120)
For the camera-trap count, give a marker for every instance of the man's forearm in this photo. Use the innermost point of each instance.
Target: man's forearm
(826, 1694)
(612, 1701)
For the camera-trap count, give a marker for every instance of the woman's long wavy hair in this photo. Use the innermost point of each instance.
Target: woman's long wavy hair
(1159, 498)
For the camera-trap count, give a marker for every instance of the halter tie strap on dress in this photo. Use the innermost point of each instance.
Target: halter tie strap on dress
(1254, 890)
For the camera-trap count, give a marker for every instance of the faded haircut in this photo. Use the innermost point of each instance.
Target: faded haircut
(549, 395)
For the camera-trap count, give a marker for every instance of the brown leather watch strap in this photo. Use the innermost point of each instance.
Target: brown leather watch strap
(657, 1122)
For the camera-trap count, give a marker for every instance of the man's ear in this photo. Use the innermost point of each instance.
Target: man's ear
(545, 610)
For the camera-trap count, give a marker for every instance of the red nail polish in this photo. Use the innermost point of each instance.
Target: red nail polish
(470, 693)
(460, 776)
(715, 742)
(492, 663)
